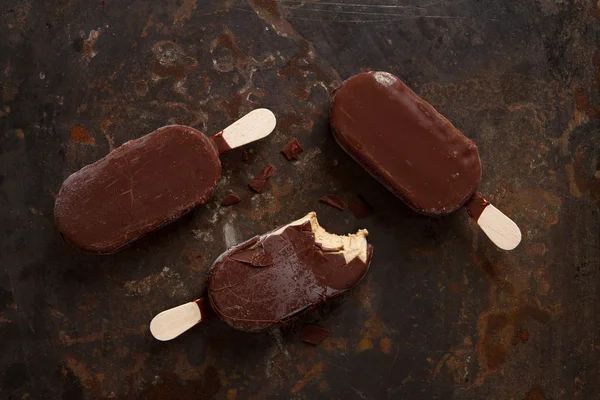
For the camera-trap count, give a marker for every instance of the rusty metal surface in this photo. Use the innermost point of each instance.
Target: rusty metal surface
(442, 313)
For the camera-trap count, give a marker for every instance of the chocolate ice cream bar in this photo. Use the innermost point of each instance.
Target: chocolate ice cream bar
(411, 148)
(275, 277)
(147, 183)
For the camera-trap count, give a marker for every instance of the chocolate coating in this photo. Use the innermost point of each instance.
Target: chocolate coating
(137, 188)
(274, 277)
(405, 143)
(476, 205)
(219, 142)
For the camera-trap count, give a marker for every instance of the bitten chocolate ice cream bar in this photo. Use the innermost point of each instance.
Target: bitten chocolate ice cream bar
(275, 277)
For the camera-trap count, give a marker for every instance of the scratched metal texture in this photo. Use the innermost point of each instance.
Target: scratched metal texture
(441, 314)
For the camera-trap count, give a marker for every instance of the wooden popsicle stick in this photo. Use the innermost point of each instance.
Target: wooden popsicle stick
(253, 126)
(173, 322)
(501, 230)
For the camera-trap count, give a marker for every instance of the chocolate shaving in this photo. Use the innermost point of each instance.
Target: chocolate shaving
(475, 206)
(334, 201)
(313, 334)
(292, 149)
(255, 257)
(360, 208)
(230, 200)
(220, 143)
(258, 183)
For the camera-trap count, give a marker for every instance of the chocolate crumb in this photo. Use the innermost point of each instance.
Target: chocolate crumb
(230, 200)
(313, 334)
(258, 183)
(360, 208)
(292, 149)
(334, 201)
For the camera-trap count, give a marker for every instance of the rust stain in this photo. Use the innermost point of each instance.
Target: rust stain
(227, 56)
(158, 27)
(364, 345)
(596, 59)
(141, 88)
(90, 303)
(81, 135)
(20, 16)
(454, 288)
(87, 377)
(549, 7)
(324, 386)
(579, 384)
(19, 133)
(512, 301)
(579, 118)
(573, 187)
(385, 344)
(583, 179)
(535, 393)
(169, 386)
(457, 362)
(315, 373)
(69, 341)
(232, 106)
(492, 273)
(373, 328)
(9, 93)
(184, 12)
(499, 331)
(171, 61)
(231, 394)
(227, 40)
(4, 111)
(582, 102)
(523, 335)
(194, 260)
(496, 339)
(536, 210)
(595, 189)
(331, 344)
(578, 182)
(105, 128)
(147, 26)
(303, 72)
